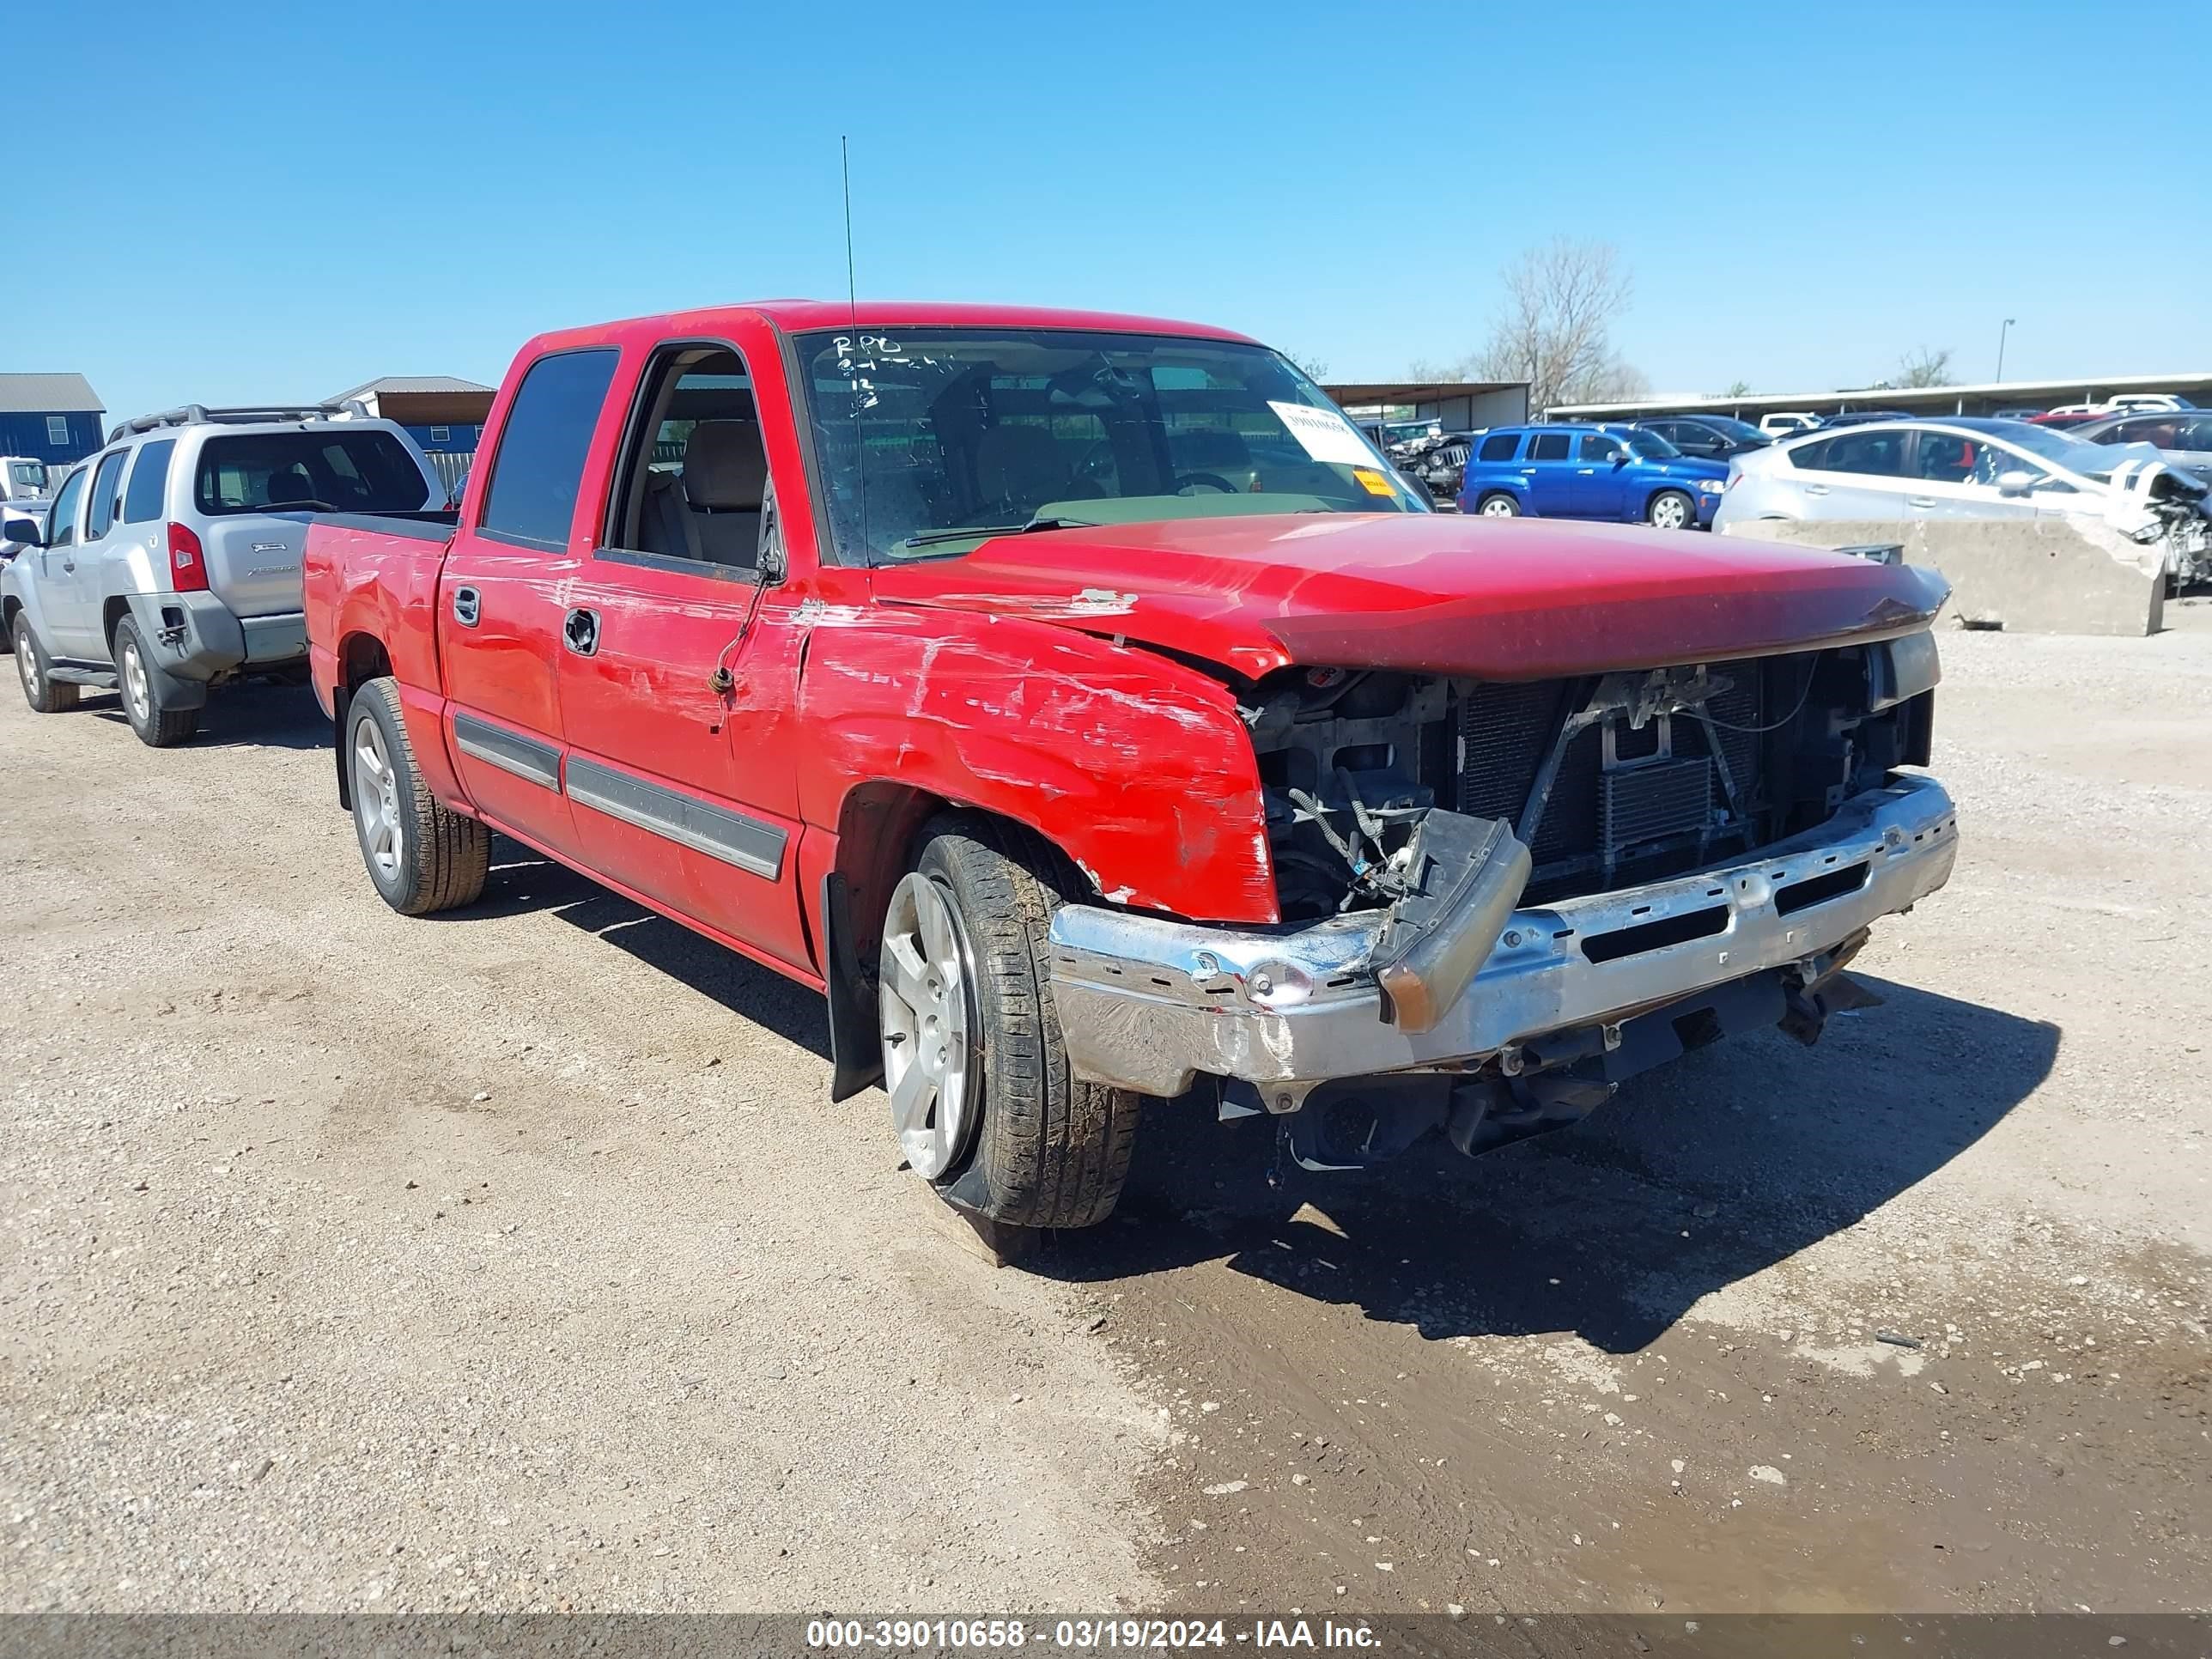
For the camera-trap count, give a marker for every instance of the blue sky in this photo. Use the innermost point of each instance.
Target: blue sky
(279, 201)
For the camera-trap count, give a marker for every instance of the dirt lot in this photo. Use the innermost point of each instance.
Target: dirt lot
(515, 1260)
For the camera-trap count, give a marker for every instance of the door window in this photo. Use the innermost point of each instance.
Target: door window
(2196, 432)
(107, 490)
(1499, 446)
(1596, 447)
(64, 533)
(150, 478)
(693, 483)
(1879, 454)
(1948, 457)
(1549, 447)
(538, 468)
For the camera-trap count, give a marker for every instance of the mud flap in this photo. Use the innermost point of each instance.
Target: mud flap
(856, 1051)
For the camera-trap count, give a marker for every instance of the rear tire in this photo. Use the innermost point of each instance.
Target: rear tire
(1670, 509)
(46, 695)
(157, 727)
(982, 1096)
(1497, 505)
(421, 857)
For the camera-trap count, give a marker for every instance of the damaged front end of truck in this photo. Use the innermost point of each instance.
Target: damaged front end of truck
(1500, 899)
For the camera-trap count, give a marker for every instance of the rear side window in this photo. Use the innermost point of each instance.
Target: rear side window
(320, 470)
(1499, 446)
(107, 485)
(1549, 447)
(540, 464)
(2196, 433)
(149, 478)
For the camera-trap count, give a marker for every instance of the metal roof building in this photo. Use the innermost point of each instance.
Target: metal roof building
(54, 418)
(1984, 399)
(1461, 406)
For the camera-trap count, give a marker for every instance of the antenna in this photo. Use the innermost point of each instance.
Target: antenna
(851, 293)
(852, 318)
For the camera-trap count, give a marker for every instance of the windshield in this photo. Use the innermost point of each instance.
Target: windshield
(320, 469)
(932, 439)
(1649, 445)
(1742, 431)
(2070, 452)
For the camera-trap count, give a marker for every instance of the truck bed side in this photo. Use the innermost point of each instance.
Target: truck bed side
(371, 588)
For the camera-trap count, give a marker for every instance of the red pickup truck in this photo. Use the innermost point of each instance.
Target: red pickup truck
(1086, 708)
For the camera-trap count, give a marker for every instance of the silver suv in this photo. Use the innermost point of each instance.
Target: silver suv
(170, 562)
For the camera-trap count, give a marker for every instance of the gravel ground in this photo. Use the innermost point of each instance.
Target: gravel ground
(514, 1259)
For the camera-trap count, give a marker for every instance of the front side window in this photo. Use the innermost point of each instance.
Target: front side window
(693, 485)
(63, 532)
(107, 485)
(1500, 445)
(150, 478)
(931, 440)
(540, 466)
(1596, 447)
(57, 428)
(1878, 454)
(322, 470)
(1549, 447)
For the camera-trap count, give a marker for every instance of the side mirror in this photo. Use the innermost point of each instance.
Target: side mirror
(2015, 482)
(25, 531)
(1620, 458)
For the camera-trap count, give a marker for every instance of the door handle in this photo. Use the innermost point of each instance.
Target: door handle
(581, 630)
(1920, 501)
(1528, 471)
(467, 606)
(1816, 490)
(69, 564)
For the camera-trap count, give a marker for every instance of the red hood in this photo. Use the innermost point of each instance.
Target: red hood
(1491, 598)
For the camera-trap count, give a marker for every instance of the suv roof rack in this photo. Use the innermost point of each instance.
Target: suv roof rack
(201, 415)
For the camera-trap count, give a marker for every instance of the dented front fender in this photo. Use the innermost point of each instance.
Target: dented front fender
(1135, 765)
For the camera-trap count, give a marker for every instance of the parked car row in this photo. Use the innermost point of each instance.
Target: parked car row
(1967, 468)
(169, 562)
(1079, 702)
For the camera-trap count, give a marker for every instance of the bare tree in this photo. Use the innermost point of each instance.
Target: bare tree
(1737, 389)
(1924, 368)
(1561, 300)
(1317, 368)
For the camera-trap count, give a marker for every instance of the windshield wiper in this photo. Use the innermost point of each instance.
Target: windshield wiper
(294, 506)
(985, 531)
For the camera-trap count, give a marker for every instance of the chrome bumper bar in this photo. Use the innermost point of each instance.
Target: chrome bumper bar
(1147, 1003)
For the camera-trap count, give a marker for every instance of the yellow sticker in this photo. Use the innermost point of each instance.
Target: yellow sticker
(1372, 481)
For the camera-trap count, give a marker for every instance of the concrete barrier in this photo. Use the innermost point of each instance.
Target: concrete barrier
(2029, 575)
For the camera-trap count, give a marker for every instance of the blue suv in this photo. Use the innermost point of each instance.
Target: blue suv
(1590, 472)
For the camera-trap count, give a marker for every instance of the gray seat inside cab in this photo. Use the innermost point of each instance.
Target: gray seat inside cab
(710, 510)
(1018, 467)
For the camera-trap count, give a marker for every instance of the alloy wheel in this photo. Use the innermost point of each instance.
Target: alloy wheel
(925, 1023)
(135, 688)
(376, 799)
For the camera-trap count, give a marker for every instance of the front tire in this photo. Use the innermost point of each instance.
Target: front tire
(157, 727)
(46, 695)
(982, 1099)
(1499, 506)
(1670, 509)
(421, 857)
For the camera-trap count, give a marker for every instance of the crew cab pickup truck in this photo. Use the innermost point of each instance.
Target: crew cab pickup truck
(1083, 704)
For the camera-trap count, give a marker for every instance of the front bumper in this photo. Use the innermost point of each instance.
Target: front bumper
(1147, 1003)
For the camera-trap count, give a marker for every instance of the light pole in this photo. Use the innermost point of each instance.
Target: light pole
(2002, 333)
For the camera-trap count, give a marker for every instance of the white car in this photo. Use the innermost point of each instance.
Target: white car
(1784, 422)
(1972, 468)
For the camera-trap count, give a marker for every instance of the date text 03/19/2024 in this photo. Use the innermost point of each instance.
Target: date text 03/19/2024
(1086, 1635)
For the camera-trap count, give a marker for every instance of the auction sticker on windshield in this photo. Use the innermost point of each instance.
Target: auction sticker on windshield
(1325, 436)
